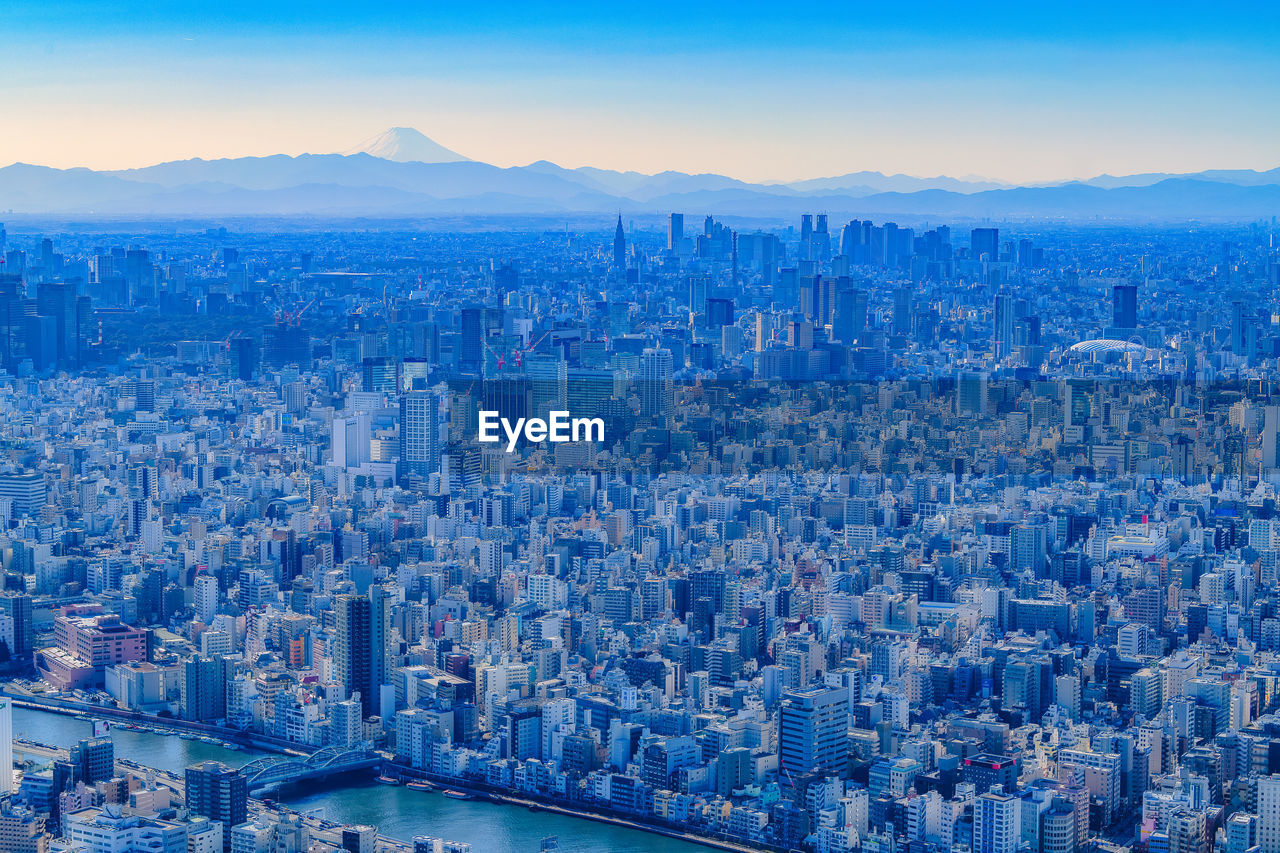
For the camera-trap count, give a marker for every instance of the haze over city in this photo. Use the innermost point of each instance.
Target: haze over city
(493, 428)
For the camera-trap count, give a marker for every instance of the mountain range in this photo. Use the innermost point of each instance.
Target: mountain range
(403, 173)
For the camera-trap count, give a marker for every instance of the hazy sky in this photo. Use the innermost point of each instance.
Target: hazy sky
(1013, 91)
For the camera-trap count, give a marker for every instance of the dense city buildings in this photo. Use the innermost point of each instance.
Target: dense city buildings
(892, 536)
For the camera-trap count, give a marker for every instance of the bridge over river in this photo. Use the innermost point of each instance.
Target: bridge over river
(270, 772)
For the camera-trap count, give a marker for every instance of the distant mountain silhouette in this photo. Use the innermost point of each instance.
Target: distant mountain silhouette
(1240, 177)
(874, 182)
(401, 180)
(406, 145)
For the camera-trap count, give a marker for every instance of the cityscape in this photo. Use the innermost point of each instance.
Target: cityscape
(418, 497)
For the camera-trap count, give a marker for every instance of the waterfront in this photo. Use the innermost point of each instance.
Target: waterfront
(170, 753)
(398, 812)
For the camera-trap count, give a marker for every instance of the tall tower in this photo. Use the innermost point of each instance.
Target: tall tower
(984, 241)
(657, 390)
(361, 646)
(423, 431)
(1002, 322)
(620, 250)
(1124, 306)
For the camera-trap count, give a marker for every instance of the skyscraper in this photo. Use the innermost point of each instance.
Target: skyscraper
(471, 353)
(620, 250)
(1002, 323)
(423, 430)
(657, 388)
(1124, 306)
(244, 358)
(380, 374)
(675, 232)
(57, 299)
(217, 792)
(548, 384)
(18, 607)
(361, 646)
(902, 299)
(204, 689)
(206, 597)
(12, 316)
(984, 243)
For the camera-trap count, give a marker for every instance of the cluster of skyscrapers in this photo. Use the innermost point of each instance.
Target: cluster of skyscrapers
(899, 537)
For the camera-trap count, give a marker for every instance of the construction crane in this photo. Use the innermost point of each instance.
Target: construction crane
(520, 352)
(502, 359)
(291, 318)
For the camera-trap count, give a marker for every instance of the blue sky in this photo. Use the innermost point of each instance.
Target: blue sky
(1020, 92)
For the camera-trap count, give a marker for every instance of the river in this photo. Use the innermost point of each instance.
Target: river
(397, 811)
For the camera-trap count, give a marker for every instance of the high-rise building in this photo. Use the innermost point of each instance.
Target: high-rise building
(415, 373)
(1269, 814)
(971, 393)
(94, 760)
(380, 374)
(902, 308)
(139, 277)
(1124, 306)
(12, 317)
(984, 243)
(812, 727)
(423, 431)
(6, 745)
(1242, 832)
(219, 793)
(206, 597)
(18, 607)
(1003, 325)
(719, 312)
(57, 300)
(657, 387)
(675, 232)
(244, 358)
(548, 385)
(1270, 441)
(995, 823)
(361, 646)
(1027, 548)
(286, 343)
(619, 250)
(204, 688)
(471, 338)
(26, 490)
